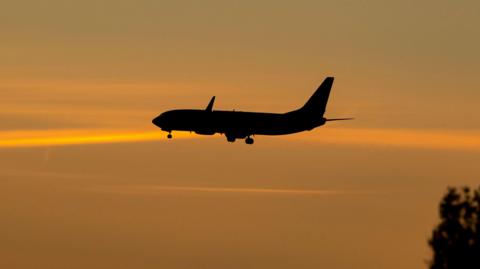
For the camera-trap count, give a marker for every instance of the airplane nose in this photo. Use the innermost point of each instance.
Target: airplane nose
(157, 121)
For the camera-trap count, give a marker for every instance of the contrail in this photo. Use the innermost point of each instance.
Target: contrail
(156, 189)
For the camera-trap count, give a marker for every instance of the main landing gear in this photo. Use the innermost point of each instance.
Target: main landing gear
(169, 136)
(231, 139)
(249, 140)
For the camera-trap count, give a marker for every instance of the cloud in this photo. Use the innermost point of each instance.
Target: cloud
(41, 138)
(419, 139)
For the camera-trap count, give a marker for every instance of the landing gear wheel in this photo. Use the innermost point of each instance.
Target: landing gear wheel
(230, 139)
(249, 141)
(169, 136)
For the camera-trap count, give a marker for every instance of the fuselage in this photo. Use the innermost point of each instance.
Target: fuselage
(236, 124)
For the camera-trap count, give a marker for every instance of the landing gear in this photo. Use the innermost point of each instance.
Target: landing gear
(231, 139)
(169, 136)
(249, 140)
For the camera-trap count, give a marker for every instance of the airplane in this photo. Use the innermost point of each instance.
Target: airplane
(243, 125)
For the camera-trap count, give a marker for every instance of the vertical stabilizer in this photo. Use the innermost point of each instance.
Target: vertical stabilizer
(317, 104)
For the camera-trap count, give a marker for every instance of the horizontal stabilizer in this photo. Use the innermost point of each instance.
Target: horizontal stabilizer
(339, 119)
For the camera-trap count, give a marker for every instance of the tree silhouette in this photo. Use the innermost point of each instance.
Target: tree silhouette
(456, 240)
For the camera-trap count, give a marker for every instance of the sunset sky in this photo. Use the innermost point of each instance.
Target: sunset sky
(86, 181)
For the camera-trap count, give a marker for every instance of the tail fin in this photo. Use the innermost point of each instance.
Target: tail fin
(317, 104)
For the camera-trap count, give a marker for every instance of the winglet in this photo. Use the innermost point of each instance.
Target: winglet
(210, 105)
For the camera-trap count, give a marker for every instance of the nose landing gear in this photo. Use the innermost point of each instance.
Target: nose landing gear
(169, 136)
(249, 140)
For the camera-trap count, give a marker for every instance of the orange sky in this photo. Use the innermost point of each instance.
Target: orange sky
(86, 181)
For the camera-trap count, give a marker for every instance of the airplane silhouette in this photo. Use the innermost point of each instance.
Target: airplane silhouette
(244, 125)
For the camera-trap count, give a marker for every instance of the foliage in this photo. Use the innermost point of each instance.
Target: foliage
(456, 240)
